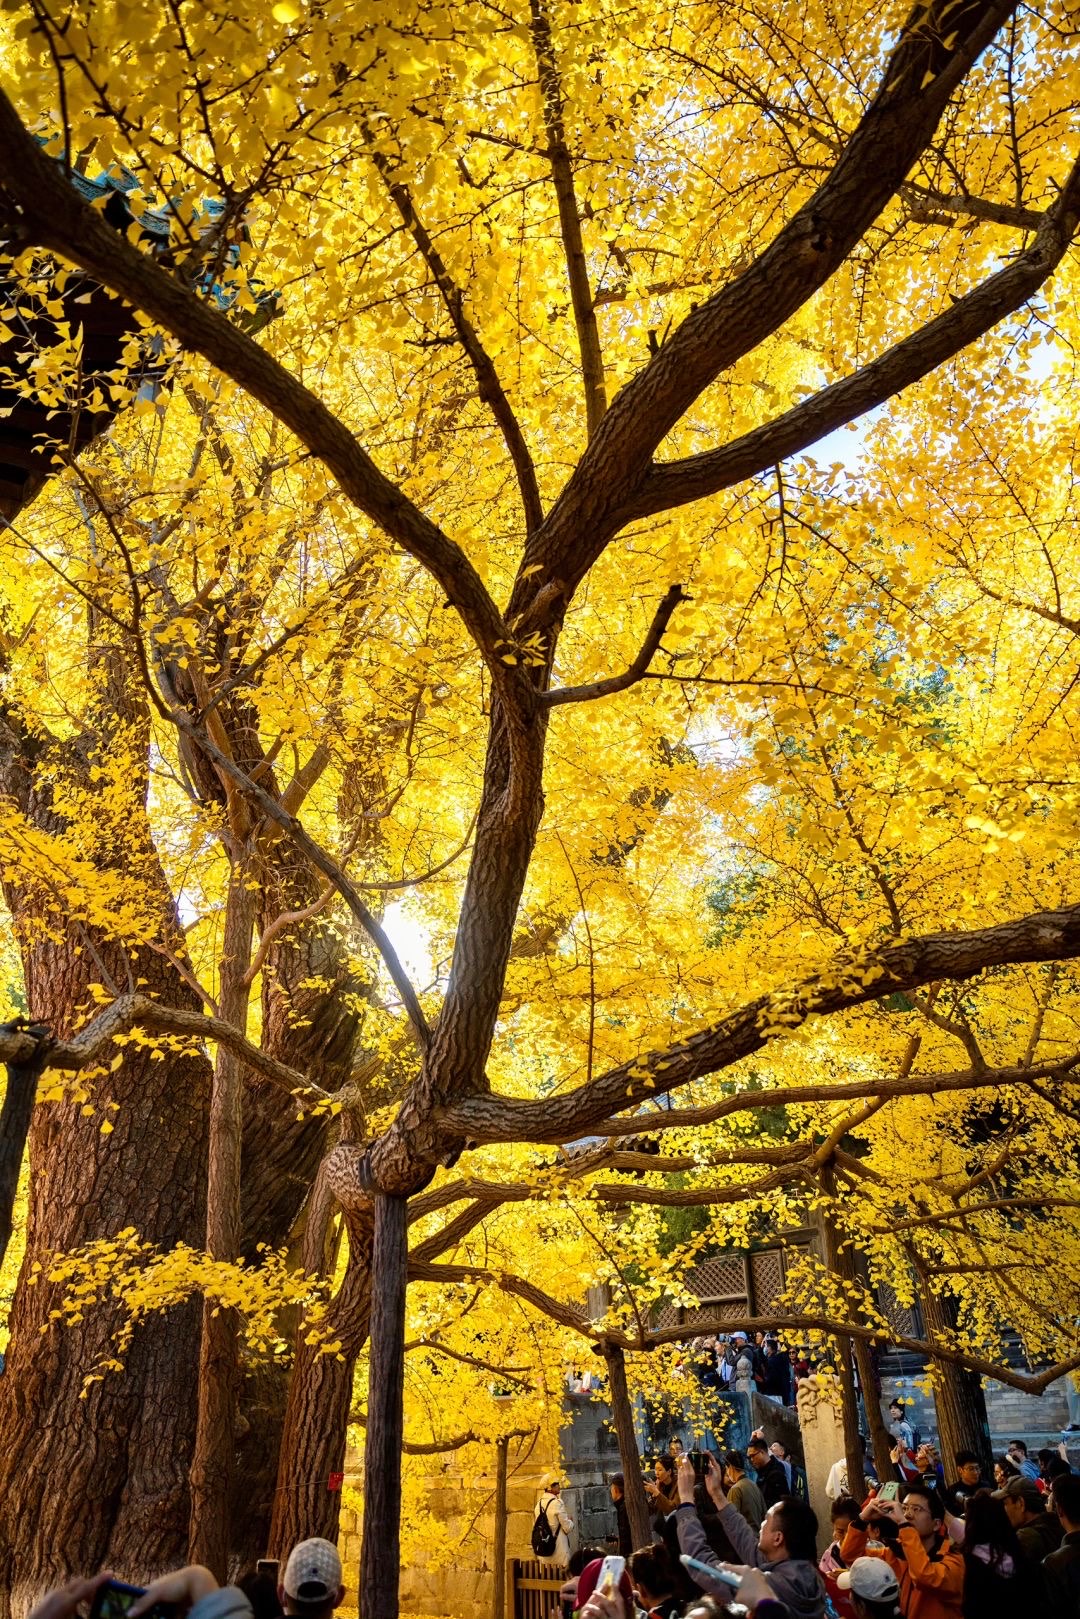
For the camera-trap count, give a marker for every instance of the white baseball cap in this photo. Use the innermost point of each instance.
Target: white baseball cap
(872, 1578)
(313, 1573)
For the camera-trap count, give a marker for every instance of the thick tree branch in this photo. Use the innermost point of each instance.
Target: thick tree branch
(1004, 1204)
(1029, 1383)
(569, 1315)
(604, 688)
(852, 980)
(796, 1321)
(563, 1171)
(691, 1118)
(516, 1374)
(455, 1230)
(439, 1447)
(936, 48)
(924, 203)
(674, 483)
(52, 215)
(138, 1012)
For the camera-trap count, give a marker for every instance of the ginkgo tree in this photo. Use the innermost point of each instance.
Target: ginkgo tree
(563, 297)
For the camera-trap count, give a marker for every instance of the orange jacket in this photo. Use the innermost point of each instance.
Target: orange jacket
(931, 1584)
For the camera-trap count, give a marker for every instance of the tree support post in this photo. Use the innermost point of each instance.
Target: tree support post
(380, 1551)
(498, 1600)
(637, 1503)
(839, 1261)
(212, 1465)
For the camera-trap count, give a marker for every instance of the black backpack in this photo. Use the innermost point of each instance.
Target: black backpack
(543, 1535)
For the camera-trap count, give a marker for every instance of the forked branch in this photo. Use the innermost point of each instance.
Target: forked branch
(639, 667)
(675, 483)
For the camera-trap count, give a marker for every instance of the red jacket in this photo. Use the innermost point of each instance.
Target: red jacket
(931, 1583)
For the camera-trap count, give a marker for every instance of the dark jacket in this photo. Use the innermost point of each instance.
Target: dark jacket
(665, 1530)
(778, 1377)
(797, 1583)
(1040, 1537)
(622, 1527)
(772, 1481)
(1061, 1572)
(998, 1590)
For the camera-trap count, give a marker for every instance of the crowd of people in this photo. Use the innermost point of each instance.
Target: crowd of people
(738, 1363)
(922, 1547)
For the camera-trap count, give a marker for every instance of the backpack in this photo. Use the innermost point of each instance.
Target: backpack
(543, 1535)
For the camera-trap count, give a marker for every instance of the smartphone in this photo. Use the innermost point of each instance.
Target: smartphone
(611, 1572)
(268, 1566)
(721, 1575)
(114, 1600)
(888, 1492)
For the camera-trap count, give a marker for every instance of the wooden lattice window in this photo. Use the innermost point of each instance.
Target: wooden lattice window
(767, 1279)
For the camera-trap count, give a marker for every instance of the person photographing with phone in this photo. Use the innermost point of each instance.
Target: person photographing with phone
(783, 1550)
(910, 1536)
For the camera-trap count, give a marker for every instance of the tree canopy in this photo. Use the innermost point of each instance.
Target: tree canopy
(496, 705)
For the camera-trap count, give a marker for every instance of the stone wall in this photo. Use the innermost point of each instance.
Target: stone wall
(464, 1504)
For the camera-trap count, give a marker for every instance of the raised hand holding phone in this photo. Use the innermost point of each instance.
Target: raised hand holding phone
(63, 1603)
(711, 1571)
(714, 1481)
(611, 1572)
(685, 1481)
(181, 1589)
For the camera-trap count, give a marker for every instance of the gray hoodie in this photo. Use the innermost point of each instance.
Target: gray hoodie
(225, 1603)
(795, 1582)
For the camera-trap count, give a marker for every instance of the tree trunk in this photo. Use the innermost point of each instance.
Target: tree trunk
(380, 1551)
(958, 1395)
(309, 1020)
(880, 1442)
(637, 1502)
(319, 1400)
(498, 1599)
(219, 1366)
(849, 1405)
(840, 1261)
(101, 1481)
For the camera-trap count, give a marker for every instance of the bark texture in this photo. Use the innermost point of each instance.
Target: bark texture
(101, 1481)
(958, 1394)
